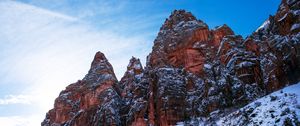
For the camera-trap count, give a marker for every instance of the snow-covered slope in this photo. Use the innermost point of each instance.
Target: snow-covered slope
(279, 108)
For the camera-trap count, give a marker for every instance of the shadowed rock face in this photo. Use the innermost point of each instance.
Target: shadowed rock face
(192, 72)
(127, 84)
(277, 42)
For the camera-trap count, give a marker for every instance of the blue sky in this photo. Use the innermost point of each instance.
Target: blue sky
(47, 44)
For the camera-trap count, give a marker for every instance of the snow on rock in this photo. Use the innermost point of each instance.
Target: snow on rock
(101, 70)
(264, 26)
(279, 108)
(208, 66)
(283, 17)
(296, 12)
(245, 64)
(195, 76)
(295, 27)
(93, 100)
(180, 124)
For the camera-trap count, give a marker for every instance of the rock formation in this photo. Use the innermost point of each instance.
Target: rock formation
(194, 75)
(93, 101)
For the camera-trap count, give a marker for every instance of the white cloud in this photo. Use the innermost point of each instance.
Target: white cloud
(43, 52)
(81, 9)
(15, 99)
(19, 121)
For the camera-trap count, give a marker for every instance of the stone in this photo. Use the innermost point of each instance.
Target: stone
(193, 74)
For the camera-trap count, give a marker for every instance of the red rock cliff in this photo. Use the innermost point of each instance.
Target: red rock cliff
(81, 102)
(194, 75)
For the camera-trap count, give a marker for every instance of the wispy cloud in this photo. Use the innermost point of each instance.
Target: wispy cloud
(15, 99)
(43, 51)
(47, 44)
(19, 121)
(81, 9)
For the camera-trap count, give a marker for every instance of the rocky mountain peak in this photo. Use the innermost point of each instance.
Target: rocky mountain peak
(221, 31)
(181, 15)
(98, 59)
(224, 28)
(285, 22)
(193, 76)
(179, 18)
(133, 74)
(184, 41)
(101, 70)
(135, 65)
(89, 101)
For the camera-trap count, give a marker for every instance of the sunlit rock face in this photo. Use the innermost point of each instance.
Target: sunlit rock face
(193, 71)
(94, 100)
(185, 42)
(194, 75)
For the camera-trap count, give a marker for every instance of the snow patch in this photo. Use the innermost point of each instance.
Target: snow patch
(277, 108)
(296, 12)
(207, 66)
(245, 64)
(180, 124)
(282, 18)
(264, 26)
(137, 66)
(295, 27)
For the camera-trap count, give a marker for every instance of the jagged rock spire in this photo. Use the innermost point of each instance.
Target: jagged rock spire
(135, 65)
(179, 16)
(101, 70)
(286, 21)
(128, 85)
(98, 58)
(92, 101)
(133, 74)
(225, 28)
(221, 31)
(193, 76)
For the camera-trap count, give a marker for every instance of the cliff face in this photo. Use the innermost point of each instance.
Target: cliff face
(93, 101)
(277, 44)
(183, 41)
(192, 72)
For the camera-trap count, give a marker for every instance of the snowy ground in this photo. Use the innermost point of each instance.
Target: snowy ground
(276, 109)
(279, 108)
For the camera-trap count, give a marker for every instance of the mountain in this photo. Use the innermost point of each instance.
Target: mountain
(90, 101)
(194, 76)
